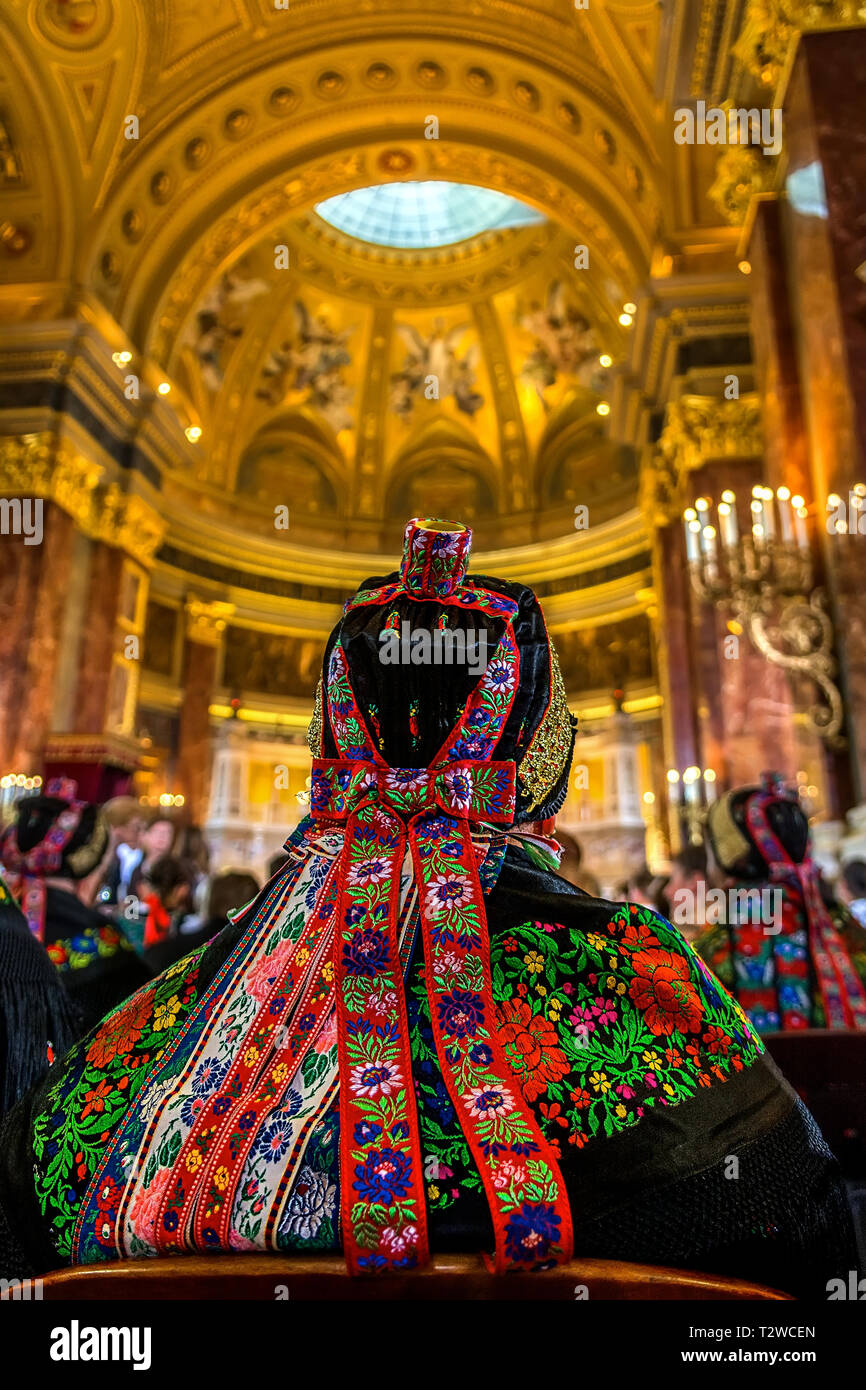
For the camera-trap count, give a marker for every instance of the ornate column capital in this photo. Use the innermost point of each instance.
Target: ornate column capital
(128, 522)
(697, 429)
(206, 622)
(36, 465)
(32, 465)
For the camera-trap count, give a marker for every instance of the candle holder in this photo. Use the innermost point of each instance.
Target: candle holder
(764, 578)
(690, 794)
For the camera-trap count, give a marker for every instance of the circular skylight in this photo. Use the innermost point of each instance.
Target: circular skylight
(424, 214)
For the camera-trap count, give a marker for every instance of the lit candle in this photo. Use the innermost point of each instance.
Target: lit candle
(728, 525)
(783, 495)
(757, 508)
(768, 512)
(690, 782)
(800, 515)
(693, 530)
(708, 542)
(674, 786)
(710, 785)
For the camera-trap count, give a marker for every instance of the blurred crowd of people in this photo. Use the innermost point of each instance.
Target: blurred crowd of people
(95, 901)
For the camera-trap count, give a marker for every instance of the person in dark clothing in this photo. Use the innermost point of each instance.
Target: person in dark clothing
(226, 894)
(167, 890)
(53, 855)
(39, 1021)
(419, 1037)
(777, 948)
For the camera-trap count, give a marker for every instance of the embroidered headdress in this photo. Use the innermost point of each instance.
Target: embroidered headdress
(53, 836)
(762, 833)
(414, 645)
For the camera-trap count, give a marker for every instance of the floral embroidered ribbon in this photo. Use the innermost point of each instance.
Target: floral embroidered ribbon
(432, 811)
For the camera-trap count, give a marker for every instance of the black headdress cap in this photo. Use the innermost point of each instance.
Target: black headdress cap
(411, 709)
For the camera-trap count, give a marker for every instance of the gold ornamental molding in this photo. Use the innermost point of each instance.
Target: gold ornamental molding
(741, 173)
(697, 430)
(771, 28)
(33, 465)
(36, 465)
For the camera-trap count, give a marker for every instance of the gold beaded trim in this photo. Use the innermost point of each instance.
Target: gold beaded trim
(547, 755)
(87, 856)
(314, 728)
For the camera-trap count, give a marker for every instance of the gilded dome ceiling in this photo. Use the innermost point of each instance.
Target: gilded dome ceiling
(348, 378)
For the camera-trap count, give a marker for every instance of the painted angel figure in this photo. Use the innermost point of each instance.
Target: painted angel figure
(217, 321)
(435, 361)
(564, 342)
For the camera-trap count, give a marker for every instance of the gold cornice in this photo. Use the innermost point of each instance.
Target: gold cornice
(472, 270)
(40, 466)
(771, 28)
(742, 173)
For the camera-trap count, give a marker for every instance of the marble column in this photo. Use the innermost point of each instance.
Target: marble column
(825, 240)
(32, 601)
(205, 624)
(786, 451)
(99, 639)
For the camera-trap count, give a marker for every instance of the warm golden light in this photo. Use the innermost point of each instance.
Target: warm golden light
(605, 360)
(626, 320)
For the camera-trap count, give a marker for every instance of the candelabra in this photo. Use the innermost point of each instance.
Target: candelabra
(690, 793)
(764, 577)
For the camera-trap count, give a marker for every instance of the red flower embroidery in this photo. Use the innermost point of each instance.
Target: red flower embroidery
(94, 1100)
(717, 1040)
(530, 1044)
(665, 994)
(121, 1032)
(638, 936)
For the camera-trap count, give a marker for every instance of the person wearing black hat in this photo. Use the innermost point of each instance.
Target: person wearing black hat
(777, 947)
(419, 1037)
(53, 855)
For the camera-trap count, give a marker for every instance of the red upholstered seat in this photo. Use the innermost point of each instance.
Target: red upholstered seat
(270, 1277)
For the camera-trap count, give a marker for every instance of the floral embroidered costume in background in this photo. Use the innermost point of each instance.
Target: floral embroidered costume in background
(418, 1037)
(798, 972)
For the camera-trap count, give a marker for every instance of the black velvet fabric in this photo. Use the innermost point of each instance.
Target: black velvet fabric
(393, 697)
(35, 1009)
